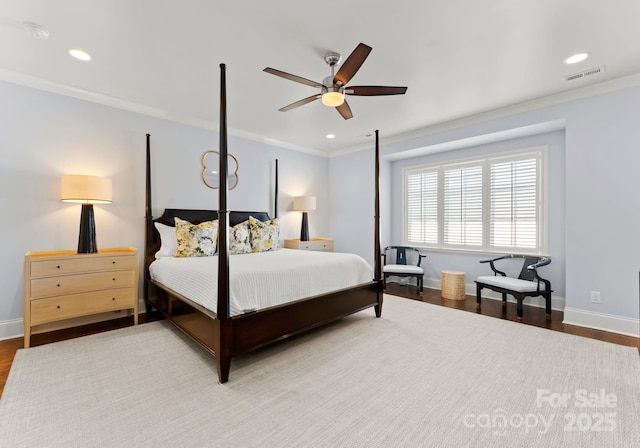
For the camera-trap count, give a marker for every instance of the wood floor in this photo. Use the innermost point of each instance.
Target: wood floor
(532, 316)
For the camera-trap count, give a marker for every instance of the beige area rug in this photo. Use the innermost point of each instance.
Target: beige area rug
(422, 376)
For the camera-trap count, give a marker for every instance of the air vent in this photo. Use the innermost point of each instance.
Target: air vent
(584, 74)
(37, 31)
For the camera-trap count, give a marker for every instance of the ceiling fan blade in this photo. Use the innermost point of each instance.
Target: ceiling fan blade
(291, 77)
(352, 64)
(301, 102)
(344, 110)
(375, 90)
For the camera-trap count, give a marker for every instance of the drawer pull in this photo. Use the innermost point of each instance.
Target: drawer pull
(58, 306)
(58, 266)
(114, 279)
(113, 262)
(58, 285)
(113, 298)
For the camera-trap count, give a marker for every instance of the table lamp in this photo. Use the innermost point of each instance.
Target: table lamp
(304, 204)
(87, 190)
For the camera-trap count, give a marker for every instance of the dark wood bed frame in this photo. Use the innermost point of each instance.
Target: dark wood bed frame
(227, 336)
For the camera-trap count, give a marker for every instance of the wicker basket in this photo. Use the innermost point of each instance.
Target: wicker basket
(453, 285)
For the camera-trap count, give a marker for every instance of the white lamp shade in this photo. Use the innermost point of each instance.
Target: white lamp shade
(87, 189)
(304, 203)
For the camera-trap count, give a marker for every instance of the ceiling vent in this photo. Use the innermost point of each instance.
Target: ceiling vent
(37, 31)
(584, 74)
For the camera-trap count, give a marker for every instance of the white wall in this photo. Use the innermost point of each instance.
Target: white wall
(45, 135)
(437, 261)
(600, 230)
(351, 192)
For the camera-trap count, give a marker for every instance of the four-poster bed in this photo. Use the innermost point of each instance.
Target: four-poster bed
(227, 334)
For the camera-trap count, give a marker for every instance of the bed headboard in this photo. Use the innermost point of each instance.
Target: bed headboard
(198, 216)
(193, 216)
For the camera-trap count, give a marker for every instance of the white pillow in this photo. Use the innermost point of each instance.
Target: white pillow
(168, 240)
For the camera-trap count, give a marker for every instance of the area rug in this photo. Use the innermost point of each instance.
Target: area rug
(421, 376)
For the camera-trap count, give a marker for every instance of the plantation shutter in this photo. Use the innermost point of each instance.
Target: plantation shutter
(463, 206)
(422, 207)
(494, 203)
(514, 204)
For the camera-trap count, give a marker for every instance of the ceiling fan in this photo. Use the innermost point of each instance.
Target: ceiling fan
(334, 87)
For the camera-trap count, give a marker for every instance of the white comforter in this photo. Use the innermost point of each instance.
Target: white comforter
(263, 279)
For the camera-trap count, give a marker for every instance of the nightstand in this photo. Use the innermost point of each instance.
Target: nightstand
(317, 244)
(62, 286)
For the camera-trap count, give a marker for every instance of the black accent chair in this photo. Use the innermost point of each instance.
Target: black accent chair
(404, 261)
(528, 284)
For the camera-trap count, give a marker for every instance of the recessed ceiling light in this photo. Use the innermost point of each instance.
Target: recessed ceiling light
(577, 57)
(331, 136)
(80, 54)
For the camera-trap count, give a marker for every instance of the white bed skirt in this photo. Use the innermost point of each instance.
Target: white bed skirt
(263, 279)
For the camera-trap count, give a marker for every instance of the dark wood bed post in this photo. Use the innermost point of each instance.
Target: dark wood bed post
(148, 230)
(376, 236)
(275, 195)
(223, 351)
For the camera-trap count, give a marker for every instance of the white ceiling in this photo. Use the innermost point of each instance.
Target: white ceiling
(457, 57)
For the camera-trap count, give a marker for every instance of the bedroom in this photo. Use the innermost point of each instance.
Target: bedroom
(592, 116)
(48, 134)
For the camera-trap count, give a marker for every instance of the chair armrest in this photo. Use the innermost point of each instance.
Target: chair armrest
(493, 267)
(543, 262)
(534, 267)
(420, 257)
(497, 258)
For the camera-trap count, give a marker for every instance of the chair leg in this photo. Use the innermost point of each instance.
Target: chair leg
(547, 299)
(478, 297)
(421, 284)
(519, 299)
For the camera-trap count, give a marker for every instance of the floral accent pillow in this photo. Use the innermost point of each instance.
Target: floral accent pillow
(264, 235)
(239, 241)
(196, 240)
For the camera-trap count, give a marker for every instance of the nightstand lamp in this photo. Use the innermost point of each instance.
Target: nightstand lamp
(304, 204)
(87, 190)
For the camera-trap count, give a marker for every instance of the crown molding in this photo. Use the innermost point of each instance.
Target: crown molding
(130, 106)
(526, 106)
(119, 103)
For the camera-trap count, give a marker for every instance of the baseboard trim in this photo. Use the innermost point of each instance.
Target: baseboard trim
(11, 329)
(601, 321)
(557, 303)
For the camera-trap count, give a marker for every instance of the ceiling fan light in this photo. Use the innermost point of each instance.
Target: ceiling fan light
(332, 99)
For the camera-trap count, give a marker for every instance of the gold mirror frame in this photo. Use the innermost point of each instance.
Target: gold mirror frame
(204, 169)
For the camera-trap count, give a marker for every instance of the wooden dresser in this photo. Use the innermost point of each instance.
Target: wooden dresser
(61, 286)
(319, 244)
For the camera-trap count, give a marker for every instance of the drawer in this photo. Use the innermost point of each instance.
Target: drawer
(64, 307)
(79, 264)
(69, 284)
(326, 246)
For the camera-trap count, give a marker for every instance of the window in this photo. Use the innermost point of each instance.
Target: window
(490, 204)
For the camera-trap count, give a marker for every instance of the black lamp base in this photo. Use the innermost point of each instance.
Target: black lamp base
(304, 230)
(87, 240)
